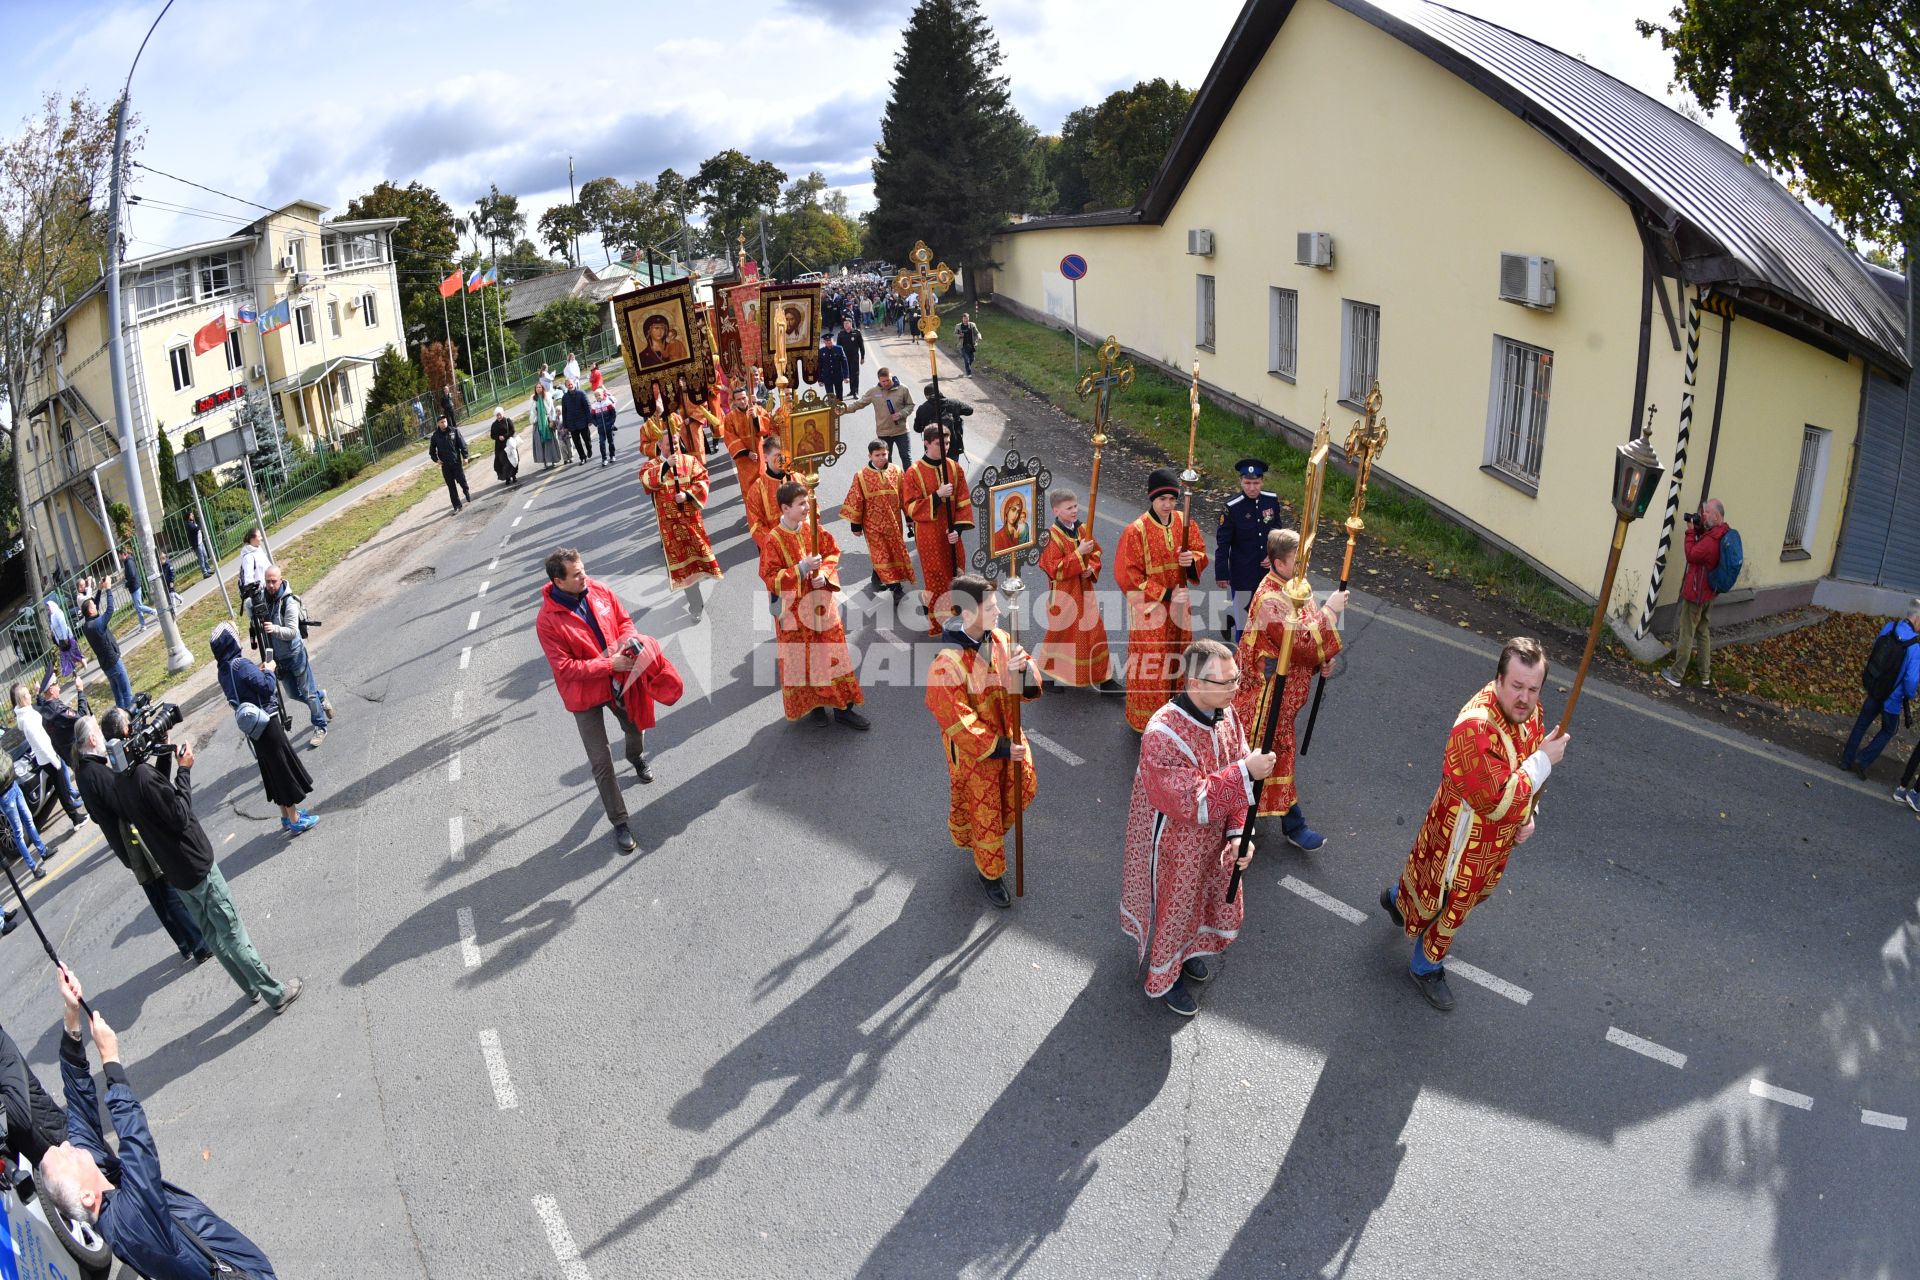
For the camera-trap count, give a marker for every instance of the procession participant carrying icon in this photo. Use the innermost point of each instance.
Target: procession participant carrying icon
(678, 481)
(1151, 564)
(1073, 651)
(800, 564)
(664, 342)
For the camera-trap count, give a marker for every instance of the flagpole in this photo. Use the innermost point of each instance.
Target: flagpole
(466, 326)
(279, 433)
(492, 281)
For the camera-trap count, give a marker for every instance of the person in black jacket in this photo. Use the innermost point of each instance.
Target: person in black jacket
(447, 447)
(155, 1228)
(854, 346)
(35, 1122)
(947, 411)
(98, 785)
(161, 810)
(576, 415)
(833, 368)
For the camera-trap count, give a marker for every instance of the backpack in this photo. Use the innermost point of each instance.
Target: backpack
(1722, 576)
(1885, 662)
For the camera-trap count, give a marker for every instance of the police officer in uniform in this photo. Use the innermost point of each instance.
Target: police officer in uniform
(1240, 545)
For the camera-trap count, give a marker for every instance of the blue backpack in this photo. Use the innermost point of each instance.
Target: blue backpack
(1721, 578)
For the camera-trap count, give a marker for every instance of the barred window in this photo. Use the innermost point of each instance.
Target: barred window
(1803, 513)
(1283, 332)
(1203, 330)
(1359, 349)
(1522, 384)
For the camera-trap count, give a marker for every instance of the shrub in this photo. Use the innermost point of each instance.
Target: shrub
(346, 464)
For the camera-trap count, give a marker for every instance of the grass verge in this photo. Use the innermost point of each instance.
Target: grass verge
(1040, 360)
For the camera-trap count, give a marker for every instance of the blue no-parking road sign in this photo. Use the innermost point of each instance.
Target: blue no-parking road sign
(1073, 266)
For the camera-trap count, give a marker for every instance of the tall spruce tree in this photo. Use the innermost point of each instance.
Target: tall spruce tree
(952, 158)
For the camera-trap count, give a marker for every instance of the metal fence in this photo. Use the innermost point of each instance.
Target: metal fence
(516, 377)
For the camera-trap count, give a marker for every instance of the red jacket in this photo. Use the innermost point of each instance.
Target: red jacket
(1703, 557)
(659, 682)
(581, 669)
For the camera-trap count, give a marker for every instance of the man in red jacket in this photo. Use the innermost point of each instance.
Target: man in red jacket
(1707, 530)
(592, 646)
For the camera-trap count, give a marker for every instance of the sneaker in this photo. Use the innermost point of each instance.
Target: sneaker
(40, 871)
(1307, 838)
(1900, 795)
(1180, 1000)
(1670, 678)
(307, 823)
(319, 736)
(1196, 969)
(996, 891)
(1391, 906)
(1706, 683)
(852, 719)
(293, 993)
(326, 705)
(623, 838)
(1913, 801)
(1434, 987)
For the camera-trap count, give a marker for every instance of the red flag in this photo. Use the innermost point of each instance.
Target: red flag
(210, 335)
(451, 285)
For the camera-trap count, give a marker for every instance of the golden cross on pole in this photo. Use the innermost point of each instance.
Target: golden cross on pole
(1298, 591)
(1112, 376)
(929, 282)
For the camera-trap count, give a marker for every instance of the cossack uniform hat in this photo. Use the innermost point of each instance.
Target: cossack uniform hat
(1252, 468)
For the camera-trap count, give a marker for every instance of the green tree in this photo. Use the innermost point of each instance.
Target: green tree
(812, 231)
(678, 195)
(173, 494)
(567, 321)
(1827, 92)
(950, 164)
(733, 188)
(1067, 160)
(1121, 142)
(560, 226)
(396, 380)
(53, 183)
(628, 218)
(423, 247)
(498, 219)
(525, 261)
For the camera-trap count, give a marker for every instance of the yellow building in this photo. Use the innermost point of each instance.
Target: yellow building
(342, 294)
(1501, 234)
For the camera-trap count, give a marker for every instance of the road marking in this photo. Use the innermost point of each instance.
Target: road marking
(484, 584)
(469, 949)
(1045, 743)
(493, 563)
(564, 1249)
(1646, 1048)
(497, 1070)
(1480, 977)
(456, 839)
(516, 522)
(1773, 1093)
(505, 539)
(1881, 1120)
(1327, 900)
(466, 656)
(473, 620)
(453, 766)
(459, 700)
(528, 506)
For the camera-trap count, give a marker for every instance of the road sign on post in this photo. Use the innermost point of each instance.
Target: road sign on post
(1073, 267)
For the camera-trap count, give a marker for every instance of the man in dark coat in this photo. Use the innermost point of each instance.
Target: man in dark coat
(1240, 543)
(154, 1227)
(99, 786)
(448, 448)
(98, 629)
(833, 368)
(853, 345)
(576, 415)
(944, 409)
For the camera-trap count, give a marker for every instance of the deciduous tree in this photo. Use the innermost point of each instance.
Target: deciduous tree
(733, 188)
(424, 247)
(567, 321)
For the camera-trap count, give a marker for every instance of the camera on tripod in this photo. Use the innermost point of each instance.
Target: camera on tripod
(149, 723)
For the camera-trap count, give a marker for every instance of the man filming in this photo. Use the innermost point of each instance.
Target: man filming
(154, 1227)
(253, 579)
(283, 619)
(161, 810)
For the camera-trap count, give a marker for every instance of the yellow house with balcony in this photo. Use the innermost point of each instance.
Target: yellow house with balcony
(1518, 246)
(338, 281)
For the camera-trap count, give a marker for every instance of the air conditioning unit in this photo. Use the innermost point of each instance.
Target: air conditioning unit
(259, 371)
(1528, 280)
(1200, 243)
(353, 303)
(289, 262)
(1313, 249)
(301, 279)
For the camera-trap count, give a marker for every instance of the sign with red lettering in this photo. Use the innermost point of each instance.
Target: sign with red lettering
(218, 398)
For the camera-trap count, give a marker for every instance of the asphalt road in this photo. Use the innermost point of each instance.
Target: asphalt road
(789, 1038)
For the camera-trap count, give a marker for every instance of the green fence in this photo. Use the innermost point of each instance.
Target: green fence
(515, 378)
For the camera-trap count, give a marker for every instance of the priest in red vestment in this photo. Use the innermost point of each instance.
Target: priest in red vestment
(678, 481)
(1191, 793)
(873, 506)
(1074, 649)
(933, 490)
(1159, 556)
(1498, 757)
(817, 674)
(761, 497)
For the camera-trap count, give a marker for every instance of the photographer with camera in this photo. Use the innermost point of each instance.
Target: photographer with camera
(945, 410)
(255, 700)
(1713, 566)
(155, 1228)
(253, 580)
(283, 619)
(155, 792)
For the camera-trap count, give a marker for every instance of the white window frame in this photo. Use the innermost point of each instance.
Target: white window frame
(163, 289)
(1283, 332)
(1519, 396)
(1206, 297)
(303, 330)
(1809, 484)
(342, 387)
(220, 275)
(235, 361)
(369, 309)
(180, 363)
(1359, 350)
(330, 252)
(297, 250)
(333, 318)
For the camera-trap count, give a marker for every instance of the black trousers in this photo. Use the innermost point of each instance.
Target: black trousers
(582, 441)
(174, 917)
(899, 442)
(456, 486)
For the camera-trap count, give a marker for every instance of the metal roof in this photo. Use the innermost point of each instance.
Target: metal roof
(1722, 219)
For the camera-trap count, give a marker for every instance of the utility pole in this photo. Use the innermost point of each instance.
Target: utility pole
(574, 201)
(179, 658)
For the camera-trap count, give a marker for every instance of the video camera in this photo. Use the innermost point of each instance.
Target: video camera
(149, 723)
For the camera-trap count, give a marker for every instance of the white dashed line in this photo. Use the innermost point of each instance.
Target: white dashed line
(466, 656)
(1350, 914)
(493, 564)
(459, 702)
(516, 522)
(484, 584)
(1773, 1093)
(1881, 1120)
(564, 1249)
(529, 505)
(1480, 977)
(497, 1070)
(1045, 743)
(505, 539)
(473, 620)
(469, 949)
(1646, 1048)
(456, 839)
(453, 767)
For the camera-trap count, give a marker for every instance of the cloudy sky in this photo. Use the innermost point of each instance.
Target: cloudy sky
(272, 104)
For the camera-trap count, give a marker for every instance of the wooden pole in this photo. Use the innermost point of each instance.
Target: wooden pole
(1015, 772)
(1599, 617)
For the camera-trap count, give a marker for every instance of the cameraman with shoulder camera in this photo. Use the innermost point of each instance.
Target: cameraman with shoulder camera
(945, 410)
(157, 798)
(253, 579)
(284, 620)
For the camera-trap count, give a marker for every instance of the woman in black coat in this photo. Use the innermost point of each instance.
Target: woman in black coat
(506, 450)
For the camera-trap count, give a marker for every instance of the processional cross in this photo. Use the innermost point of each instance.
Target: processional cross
(929, 282)
(1113, 376)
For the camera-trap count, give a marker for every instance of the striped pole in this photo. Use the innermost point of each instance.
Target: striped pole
(1679, 464)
